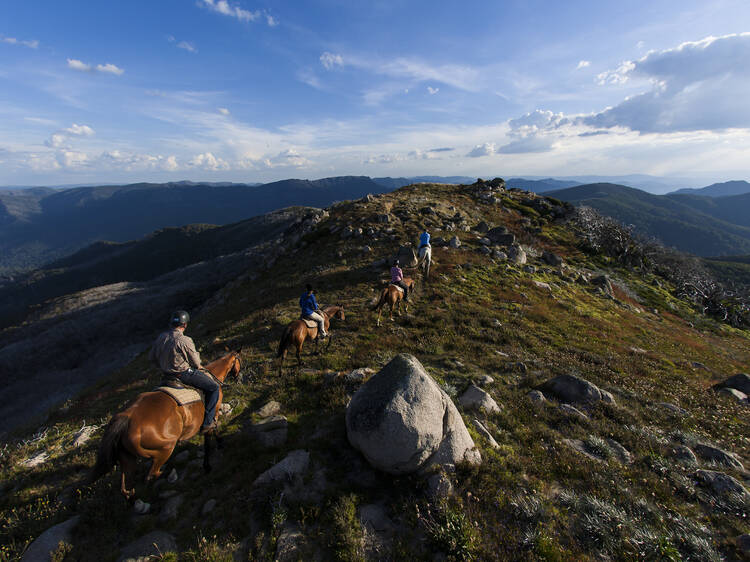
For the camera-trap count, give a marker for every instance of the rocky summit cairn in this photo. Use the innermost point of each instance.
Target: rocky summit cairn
(403, 422)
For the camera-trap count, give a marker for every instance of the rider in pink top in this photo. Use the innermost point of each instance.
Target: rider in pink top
(397, 278)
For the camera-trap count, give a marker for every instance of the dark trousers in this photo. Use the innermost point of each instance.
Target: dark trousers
(404, 287)
(207, 384)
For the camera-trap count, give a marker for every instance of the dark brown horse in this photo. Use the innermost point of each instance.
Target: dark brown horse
(393, 296)
(151, 427)
(297, 332)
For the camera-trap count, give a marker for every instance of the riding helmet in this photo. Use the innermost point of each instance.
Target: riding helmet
(179, 318)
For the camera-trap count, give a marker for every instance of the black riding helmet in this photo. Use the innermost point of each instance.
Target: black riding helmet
(179, 318)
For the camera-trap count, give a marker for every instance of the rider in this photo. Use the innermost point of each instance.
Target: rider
(175, 354)
(310, 310)
(424, 243)
(397, 278)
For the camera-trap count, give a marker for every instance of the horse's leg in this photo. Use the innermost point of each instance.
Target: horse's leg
(281, 362)
(160, 456)
(380, 311)
(127, 466)
(299, 354)
(207, 453)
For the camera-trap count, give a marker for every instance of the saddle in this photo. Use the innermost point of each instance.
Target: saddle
(181, 393)
(399, 287)
(310, 323)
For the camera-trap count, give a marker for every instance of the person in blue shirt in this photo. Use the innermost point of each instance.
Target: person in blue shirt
(424, 239)
(424, 253)
(310, 310)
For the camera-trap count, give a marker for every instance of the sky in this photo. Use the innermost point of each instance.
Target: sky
(256, 91)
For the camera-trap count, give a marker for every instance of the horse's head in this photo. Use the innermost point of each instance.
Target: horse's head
(236, 364)
(340, 313)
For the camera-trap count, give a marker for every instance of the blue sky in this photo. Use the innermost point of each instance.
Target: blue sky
(245, 90)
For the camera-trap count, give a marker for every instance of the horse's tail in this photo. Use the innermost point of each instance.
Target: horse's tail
(285, 339)
(381, 300)
(110, 446)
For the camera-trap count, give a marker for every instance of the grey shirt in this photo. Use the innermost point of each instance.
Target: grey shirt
(174, 352)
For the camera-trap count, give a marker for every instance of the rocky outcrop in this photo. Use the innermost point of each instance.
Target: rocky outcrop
(403, 422)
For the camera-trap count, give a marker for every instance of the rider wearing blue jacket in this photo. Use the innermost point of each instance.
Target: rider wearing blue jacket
(310, 310)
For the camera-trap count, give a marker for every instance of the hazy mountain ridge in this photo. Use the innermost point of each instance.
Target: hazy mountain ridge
(677, 220)
(723, 189)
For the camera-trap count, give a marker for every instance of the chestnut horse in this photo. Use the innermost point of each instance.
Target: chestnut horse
(297, 332)
(393, 296)
(151, 427)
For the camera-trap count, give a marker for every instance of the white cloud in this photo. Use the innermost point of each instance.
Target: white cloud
(583, 64)
(207, 161)
(287, 158)
(107, 68)
(223, 110)
(486, 149)
(700, 85)
(329, 60)
(57, 140)
(80, 130)
(432, 90)
(271, 21)
(618, 76)
(225, 8)
(170, 164)
(187, 46)
(32, 44)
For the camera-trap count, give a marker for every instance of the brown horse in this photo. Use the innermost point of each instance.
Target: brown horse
(151, 427)
(393, 296)
(297, 332)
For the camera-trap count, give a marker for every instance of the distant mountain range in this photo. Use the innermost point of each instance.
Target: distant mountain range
(540, 186)
(697, 224)
(724, 189)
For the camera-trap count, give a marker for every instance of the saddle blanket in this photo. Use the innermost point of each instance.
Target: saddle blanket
(183, 396)
(398, 287)
(310, 323)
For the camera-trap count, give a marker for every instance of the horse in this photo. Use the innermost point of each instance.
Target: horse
(297, 332)
(393, 296)
(152, 426)
(425, 260)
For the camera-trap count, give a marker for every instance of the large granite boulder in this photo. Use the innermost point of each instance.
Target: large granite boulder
(45, 544)
(150, 546)
(403, 422)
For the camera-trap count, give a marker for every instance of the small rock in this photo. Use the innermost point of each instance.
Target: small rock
(225, 409)
(376, 517)
(439, 486)
(551, 258)
(573, 411)
(714, 454)
(172, 478)
(536, 397)
(269, 409)
(485, 241)
(622, 454)
(83, 435)
(294, 464)
(699, 365)
(171, 508)
(454, 242)
(484, 432)
(604, 283)
(721, 483)
(734, 393)
(47, 542)
(529, 269)
(498, 255)
(477, 399)
(572, 389)
(484, 380)
(141, 507)
(496, 323)
(208, 507)
(501, 353)
(182, 457)
(358, 375)
(35, 460)
(638, 350)
(684, 455)
(542, 285)
(155, 544)
(673, 408)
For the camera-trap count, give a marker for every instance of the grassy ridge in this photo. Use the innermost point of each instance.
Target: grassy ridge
(532, 498)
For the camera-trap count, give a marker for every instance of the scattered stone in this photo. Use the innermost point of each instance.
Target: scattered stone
(551, 258)
(225, 409)
(603, 282)
(536, 397)
(208, 507)
(358, 375)
(141, 507)
(541, 284)
(529, 269)
(501, 353)
(516, 254)
(484, 432)
(684, 454)
(269, 409)
(496, 323)
(573, 411)
(572, 389)
(454, 242)
(46, 543)
(607, 397)
(36, 460)
(714, 454)
(439, 486)
(484, 380)
(173, 476)
(722, 484)
(83, 435)
(699, 365)
(673, 408)
(181, 457)
(621, 453)
(482, 227)
(637, 350)
(734, 393)
(485, 241)
(171, 508)
(402, 421)
(740, 381)
(294, 464)
(376, 517)
(498, 255)
(155, 544)
(499, 235)
(477, 399)
(289, 544)
(366, 249)
(484, 250)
